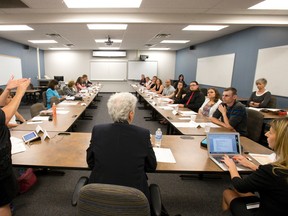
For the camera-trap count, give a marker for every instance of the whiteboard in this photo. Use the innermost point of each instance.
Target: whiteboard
(215, 70)
(272, 64)
(9, 65)
(136, 68)
(108, 70)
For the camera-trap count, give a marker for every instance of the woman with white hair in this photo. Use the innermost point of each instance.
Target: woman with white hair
(120, 153)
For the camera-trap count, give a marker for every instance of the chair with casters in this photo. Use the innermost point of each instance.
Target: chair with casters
(106, 199)
(44, 97)
(255, 122)
(55, 100)
(272, 103)
(36, 108)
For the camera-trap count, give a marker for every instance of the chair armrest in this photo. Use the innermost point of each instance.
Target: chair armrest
(156, 201)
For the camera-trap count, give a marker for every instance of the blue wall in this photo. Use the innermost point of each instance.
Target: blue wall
(245, 44)
(28, 58)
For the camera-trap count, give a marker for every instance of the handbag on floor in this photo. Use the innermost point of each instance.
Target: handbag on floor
(26, 180)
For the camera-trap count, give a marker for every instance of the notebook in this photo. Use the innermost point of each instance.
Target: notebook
(220, 144)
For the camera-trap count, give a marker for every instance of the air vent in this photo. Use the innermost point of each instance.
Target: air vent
(54, 35)
(149, 45)
(162, 36)
(69, 45)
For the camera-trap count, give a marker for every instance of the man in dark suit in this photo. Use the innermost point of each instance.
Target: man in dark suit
(121, 153)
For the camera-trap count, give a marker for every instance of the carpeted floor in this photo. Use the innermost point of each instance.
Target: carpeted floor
(51, 196)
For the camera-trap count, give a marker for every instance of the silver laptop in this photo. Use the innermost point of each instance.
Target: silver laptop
(220, 144)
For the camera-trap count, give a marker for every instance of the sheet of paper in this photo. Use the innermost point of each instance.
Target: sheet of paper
(256, 109)
(166, 107)
(187, 113)
(185, 118)
(70, 98)
(36, 122)
(69, 103)
(264, 158)
(40, 118)
(172, 105)
(62, 112)
(210, 124)
(164, 155)
(190, 124)
(17, 145)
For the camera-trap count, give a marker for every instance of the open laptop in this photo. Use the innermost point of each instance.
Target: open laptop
(220, 144)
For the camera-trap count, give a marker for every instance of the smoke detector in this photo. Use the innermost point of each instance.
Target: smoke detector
(109, 42)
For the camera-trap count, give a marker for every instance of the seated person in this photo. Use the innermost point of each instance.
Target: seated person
(193, 99)
(211, 103)
(142, 80)
(70, 89)
(147, 81)
(232, 113)
(121, 153)
(152, 83)
(179, 93)
(261, 97)
(79, 84)
(52, 91)
(85, 80)
(168, 90)
(180, 79)
(269, 180)
(158, 87)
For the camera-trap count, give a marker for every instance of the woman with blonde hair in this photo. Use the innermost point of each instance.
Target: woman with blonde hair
(270, 180)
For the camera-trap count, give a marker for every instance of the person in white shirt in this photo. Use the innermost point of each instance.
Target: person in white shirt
(211, 103)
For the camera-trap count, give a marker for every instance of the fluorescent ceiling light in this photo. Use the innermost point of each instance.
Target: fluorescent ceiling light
(204, 27)
(109, 48)
(59, 48)
(104, 40)
(99, 53)
(107, 26)
(271, 5)
(103, 3)
(175, 41)
(42, 41)
(15, 28)
(159, 48)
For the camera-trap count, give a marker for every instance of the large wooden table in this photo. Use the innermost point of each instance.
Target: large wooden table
(69, 152)
(62, 122)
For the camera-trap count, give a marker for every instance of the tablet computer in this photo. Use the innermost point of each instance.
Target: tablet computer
(30, 137)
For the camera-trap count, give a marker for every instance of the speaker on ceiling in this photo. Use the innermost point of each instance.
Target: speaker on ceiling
(192, 47)
(26, 47)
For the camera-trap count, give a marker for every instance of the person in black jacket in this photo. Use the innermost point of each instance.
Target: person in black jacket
(121, 153)
(193, 99)
(270, 180)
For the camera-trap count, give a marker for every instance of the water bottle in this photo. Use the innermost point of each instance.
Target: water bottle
(158, 138)
(54, 110)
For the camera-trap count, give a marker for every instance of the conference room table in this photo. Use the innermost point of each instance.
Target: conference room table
(30, 95)
(68, 151)
(67, 113)
(270, 113)
(160, 105)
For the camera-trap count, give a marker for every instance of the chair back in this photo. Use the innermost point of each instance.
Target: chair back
(255, 122)
(272, 103)
(55, 100)
(44, 97)
(106, 199)
(36, 108)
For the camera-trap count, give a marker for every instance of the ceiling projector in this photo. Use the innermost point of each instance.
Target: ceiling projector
(109, 42)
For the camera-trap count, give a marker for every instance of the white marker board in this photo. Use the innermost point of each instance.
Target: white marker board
(9, 65)
(108, 70)
(215, 70)
(136, 68)
(272, 64)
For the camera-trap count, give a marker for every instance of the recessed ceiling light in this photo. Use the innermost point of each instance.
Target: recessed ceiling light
(59, 48)
(15, 28)
(204, 27)
(159, 48)
(271, 5)
(107, 26)
(175, 41)
(103, 3)
(109, 48)
(42, 41)
(104, 40)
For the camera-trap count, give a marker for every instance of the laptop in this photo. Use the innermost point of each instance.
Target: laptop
(220, 144)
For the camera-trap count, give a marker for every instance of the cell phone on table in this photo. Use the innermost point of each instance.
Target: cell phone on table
(30, 137)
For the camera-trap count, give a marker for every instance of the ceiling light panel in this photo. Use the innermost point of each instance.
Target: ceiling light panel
(109, 48)
(175, 41)
(59, 48)
(159, 48)
(204, 27)
(107, 26)
(271, 5)
(42, 41)
(15, 28)
(103, 3)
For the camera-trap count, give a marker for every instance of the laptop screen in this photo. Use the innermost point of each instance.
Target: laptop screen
(223, 143)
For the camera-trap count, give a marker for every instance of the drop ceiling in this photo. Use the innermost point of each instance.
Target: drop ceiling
(144, 23)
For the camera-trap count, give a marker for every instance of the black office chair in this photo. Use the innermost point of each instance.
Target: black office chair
(273, 102)
(36, 108)
(255, 122)
(44, 97)
(55, 100)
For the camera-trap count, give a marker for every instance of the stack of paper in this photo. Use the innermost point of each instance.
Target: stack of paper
(164, 155)
(187, 113)
(264, 158)
(17, 145)
(190, 124)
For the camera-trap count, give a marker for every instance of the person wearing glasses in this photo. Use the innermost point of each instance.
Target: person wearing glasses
(193, 99)
(231, 113)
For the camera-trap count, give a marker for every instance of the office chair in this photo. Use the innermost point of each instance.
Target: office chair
(272, 103)
(36, 108)
(255, 122)
(106, 199)
(55, 100)
(44, 97)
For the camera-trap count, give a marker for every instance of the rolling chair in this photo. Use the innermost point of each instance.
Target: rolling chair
(273, 102)
(255, 122)
(44, 97)
(55, 100)
(36, 108)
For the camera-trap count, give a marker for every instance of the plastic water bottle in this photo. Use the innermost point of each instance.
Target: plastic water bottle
(158, 138)
(54, 110)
